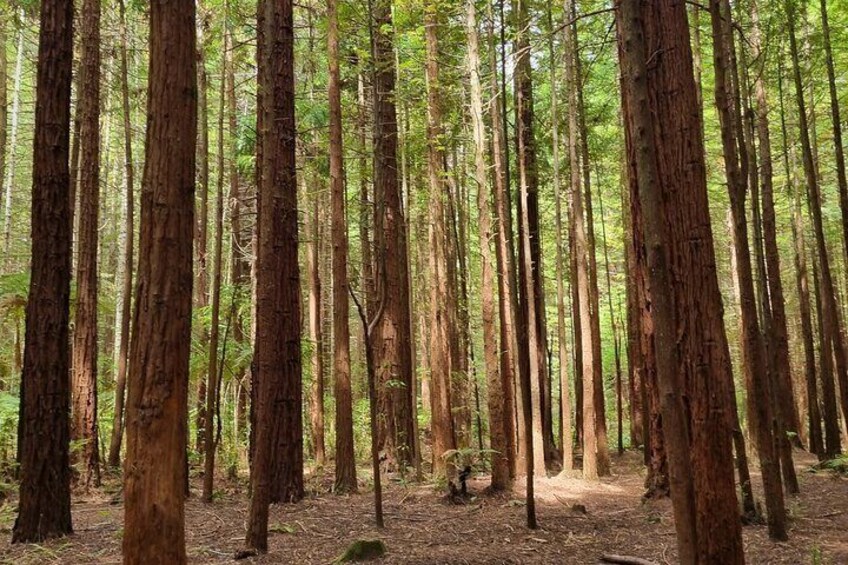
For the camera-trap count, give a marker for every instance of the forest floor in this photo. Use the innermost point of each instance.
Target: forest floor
(422, 527)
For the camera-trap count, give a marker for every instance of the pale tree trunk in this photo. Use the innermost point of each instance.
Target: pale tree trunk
(13, 141)
(314, 246)
(122, 316)
(597, 361)
(84, 375)
(4, 97)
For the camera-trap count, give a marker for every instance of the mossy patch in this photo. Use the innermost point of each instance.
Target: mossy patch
(363, 550)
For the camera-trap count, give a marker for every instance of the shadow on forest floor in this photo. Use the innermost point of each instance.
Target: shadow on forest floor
(422, 528)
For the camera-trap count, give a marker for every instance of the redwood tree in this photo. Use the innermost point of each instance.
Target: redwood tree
(277, 471)
(695, 358)
(84, 382)
(157, 403)
(345, 460)
(392, 346)
(44, 506)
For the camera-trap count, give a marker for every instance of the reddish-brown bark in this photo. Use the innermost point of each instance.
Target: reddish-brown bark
(44, 505)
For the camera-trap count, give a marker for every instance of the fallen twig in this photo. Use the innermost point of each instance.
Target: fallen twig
(625, 560)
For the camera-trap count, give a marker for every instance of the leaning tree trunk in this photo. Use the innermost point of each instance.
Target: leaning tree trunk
(802, 281)
(157, 404)
(44, 505)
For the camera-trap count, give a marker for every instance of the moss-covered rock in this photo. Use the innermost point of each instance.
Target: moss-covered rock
(363, 550)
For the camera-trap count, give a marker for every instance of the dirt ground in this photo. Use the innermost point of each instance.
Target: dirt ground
(422, 528)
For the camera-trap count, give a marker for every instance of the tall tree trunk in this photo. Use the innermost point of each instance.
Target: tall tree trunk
(441, 319)
(755, 366)
(215, 372)
(615, 337)
(664, 95)
(773, 304)
(830, 310)
(566, 434)
(44, 505)
(839, 150)
(13, 141)
(594, 306)
(4, 97)
(345, 455)
(581, 253)
(503, 253)
(531, 313)
(816, 442)
(316, 333)
(393, 356)
(201, 288)
(127, 249)
(496, 398)
(157, 405)
(84, 381)
(277, 472)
